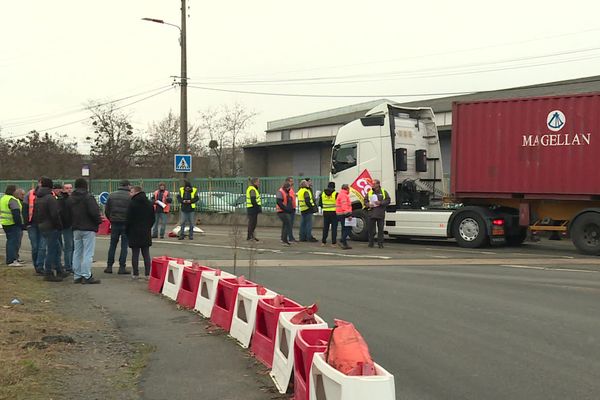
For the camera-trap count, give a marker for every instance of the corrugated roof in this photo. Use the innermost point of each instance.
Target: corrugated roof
(320, 139)
(572, 86)
(334, 116)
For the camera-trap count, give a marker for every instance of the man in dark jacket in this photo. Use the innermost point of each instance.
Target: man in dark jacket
(377, 201)
(66, 235)
(36, 239)
(116, 212)
(187, 197)
(85, 215)
(327, 203)
(46, 216)
(140, 218)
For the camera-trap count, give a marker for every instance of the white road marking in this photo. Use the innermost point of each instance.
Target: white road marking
(521, 266)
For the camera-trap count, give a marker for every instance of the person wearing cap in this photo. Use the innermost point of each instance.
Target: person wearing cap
(161, 200)
(187, 197)
(327, 203)
(46, 216)
(116, 212)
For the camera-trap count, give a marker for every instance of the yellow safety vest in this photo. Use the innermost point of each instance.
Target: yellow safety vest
(6, 217)
(302, 202)
(328, 201)
(249, 195)
(194, 190)
(383, 194)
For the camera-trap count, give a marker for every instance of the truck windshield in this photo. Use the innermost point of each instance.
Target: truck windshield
(343, 157)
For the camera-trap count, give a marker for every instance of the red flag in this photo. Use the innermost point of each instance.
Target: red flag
(361, 186)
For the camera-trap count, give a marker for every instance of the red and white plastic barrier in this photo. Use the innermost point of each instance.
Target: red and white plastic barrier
(283, 356)
(207, 291)
(190, 282)
(327, 383)
(173, 279)
(244, 314)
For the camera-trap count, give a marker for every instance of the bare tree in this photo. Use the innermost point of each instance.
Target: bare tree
(235, 120)
(115, 148)
(162, 144)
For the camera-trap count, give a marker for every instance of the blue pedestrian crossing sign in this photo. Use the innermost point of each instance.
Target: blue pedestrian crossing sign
(183, 163)
(103, 198)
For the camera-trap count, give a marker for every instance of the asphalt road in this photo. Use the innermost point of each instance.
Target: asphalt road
(448, 323)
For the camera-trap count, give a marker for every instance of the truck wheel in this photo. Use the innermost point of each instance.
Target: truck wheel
(469, 230)
(585, 233)
(518, 239)
(360, 232)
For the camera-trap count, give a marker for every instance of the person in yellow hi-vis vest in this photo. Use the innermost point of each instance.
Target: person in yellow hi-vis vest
(187, 197)
(11, 220)
(327, 203)
(253, 206)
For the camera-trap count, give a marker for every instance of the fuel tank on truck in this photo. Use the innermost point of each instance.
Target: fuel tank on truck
(542, 147)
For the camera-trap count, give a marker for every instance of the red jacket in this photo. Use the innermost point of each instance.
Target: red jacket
(343, 205)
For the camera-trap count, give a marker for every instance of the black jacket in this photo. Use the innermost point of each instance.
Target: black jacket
(187, 195)
(116, 206)
(84, 211)
(255, 209)
(65, 213)
(46, 212)
(328, 192)
(140, 218)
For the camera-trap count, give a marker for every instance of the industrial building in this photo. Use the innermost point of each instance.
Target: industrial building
(301, 145)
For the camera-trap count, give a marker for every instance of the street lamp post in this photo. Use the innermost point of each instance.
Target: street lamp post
(183, 142)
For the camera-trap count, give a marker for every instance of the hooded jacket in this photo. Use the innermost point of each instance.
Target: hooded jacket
(140, 218)
(328, 192)
(84, 210)
(116, 206)
(46, 212)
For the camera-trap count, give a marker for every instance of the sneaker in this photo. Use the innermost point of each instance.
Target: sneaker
(285, 243)
(78, 280)
(313, 240)
(63, 274)
(123, 271)
(334, 245)
(146, 277)
(135, 277)
(380, 245)
(21, 261)
(256, 239)
(39, 272)
(180, 238)
(52, 278)
(191, 238)
(108, 270)
(15, 263)
(90, 281)
(323, 244)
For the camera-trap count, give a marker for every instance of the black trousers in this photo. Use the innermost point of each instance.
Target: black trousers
(135, 255)
(286, 226)
(252, 221)
(330, 219)
(380, 223)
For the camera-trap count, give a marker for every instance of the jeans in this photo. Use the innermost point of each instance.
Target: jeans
(117, 231)
(53, 251)
(345, 229)
(67, 245)
(291, 237)
(379, 222)
(38, 247)
(19, 244)
(187, 218)
(330, 219)
(135, 255)
(306, 227)
(252, 221)
(286, 226)
(83, 253)
(13, 234)
(159, 220)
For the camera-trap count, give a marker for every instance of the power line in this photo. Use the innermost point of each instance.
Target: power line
(33, 120)
(444, 53)
(419, 73)
(87, 118)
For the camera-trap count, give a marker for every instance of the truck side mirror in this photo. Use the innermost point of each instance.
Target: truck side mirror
(401, 159)
(421, 160)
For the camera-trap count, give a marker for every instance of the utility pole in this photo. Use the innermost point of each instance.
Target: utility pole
(183, 124)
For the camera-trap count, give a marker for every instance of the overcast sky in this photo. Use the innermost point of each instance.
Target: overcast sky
(57, 55)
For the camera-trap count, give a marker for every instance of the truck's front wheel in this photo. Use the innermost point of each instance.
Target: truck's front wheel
(360, 232)
(469, 230)
(585, 233)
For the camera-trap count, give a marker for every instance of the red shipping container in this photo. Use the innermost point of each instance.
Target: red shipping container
(543, 147)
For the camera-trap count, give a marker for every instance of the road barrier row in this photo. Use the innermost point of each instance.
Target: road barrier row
(267, 323)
